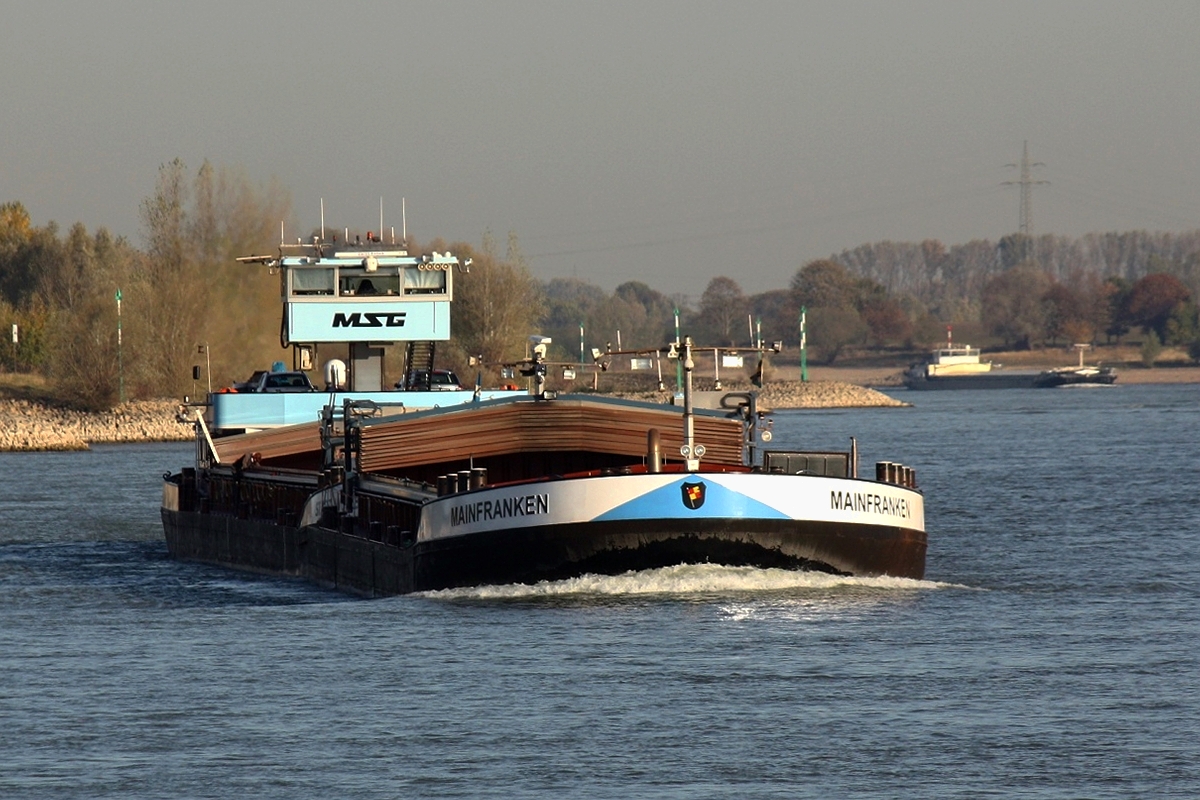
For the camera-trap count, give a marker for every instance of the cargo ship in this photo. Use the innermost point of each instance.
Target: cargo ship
(379, 498)
(960, 367)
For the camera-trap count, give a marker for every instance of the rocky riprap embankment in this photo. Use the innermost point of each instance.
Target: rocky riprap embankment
(26, 425)
(823, 394)
(796, 394)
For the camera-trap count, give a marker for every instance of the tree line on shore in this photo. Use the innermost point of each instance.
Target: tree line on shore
(105, 319)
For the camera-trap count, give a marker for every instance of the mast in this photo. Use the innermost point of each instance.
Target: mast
(691, 452)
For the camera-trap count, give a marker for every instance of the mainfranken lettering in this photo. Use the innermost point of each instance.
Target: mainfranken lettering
(483, 510)
(869, 502)
(369, 319)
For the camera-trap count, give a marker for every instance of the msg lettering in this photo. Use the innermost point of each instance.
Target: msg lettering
(369, 319)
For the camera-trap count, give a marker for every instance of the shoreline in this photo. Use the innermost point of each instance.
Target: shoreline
(31, 426)
(28, 426)
(784, 395)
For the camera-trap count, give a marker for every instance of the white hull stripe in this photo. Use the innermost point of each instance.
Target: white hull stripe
(674, 497)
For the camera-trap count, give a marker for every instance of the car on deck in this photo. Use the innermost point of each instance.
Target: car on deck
(264, 381)
(436, 380)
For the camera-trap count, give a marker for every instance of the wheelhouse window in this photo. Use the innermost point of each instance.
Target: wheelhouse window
(420, 281)
(360, 283)
(356, 281)
(315, 281)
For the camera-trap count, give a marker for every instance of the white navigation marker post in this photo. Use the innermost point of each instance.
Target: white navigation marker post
(120, 358)
(804, 344)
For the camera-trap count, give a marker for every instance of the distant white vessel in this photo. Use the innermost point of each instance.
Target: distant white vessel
(960, 367)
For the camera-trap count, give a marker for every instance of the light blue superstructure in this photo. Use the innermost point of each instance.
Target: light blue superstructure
(361, 298)
(380, 319)
(367, 295)
(256, 411)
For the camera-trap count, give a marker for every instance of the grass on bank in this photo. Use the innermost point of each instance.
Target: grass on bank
(29, 386)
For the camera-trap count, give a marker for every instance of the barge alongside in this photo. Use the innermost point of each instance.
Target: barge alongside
(1081, 375)
(377, 498)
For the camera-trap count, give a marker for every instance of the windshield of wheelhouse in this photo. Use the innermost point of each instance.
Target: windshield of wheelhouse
(312, 281)
(424, 281)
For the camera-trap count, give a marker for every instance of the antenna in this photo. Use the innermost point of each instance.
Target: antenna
(281, 232)
(381, 219)
(322, 219)
(1026, 183)
(403, 223)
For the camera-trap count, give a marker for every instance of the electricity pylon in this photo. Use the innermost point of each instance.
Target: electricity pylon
(1026, 182)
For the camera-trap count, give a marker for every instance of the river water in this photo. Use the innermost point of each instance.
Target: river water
(1051, 652)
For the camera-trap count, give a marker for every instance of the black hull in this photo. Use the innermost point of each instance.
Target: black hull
(326, 557)
(986, 380)
(1053, 380)
(526, 555)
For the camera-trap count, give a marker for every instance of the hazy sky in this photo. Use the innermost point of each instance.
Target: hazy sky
(667, 142)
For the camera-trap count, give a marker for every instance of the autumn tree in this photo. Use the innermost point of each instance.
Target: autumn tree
(85, 362)
(46, 281)
(234, 216)
(831, 295)
(496, 305)
(779, 314)
(824, 283)
(643, 316)
(172, 297)
(1183, 326)
(1116, 295)
(190, 290)
(1154, 301)
(722, 309)
(29, 257)
(16, 232)
(1013, 305)
(1015, 249)
(1093, 310)
(570, 303)
(654, 314)
(887, 320)
(1064, 314)
(83, 359)
(28, 353)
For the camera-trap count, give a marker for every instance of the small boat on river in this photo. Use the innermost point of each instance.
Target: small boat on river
(380, 500)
